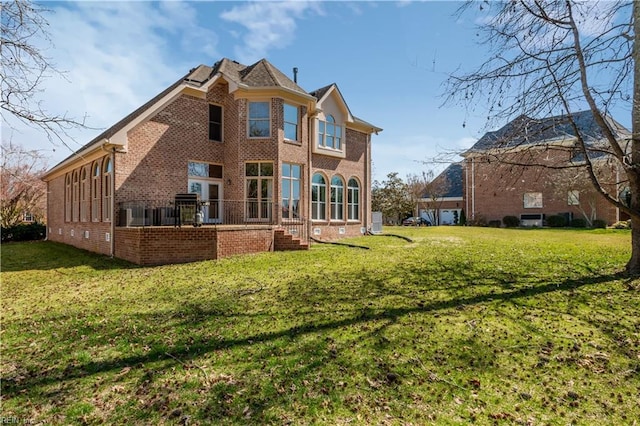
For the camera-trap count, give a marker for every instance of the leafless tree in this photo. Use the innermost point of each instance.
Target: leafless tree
(417, 185)
(559, 57)
(22, 191)
(24, 67)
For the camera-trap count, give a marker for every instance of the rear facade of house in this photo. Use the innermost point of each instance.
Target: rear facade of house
(230, 159)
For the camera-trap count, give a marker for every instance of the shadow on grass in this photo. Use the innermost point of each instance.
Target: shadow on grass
(47, 255)
(190, 347)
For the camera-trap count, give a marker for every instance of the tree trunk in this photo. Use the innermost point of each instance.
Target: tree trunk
(633, 267)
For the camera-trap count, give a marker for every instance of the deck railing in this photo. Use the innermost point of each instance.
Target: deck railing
(188, 211)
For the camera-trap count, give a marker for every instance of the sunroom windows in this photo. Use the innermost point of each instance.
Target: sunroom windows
(342, 200)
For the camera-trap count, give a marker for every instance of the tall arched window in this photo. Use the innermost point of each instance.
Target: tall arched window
(318, 197)
(95, 192)
(67, 198)
(84, 198)
(353, 200)
(337, 198)
(75, 204)
(107, 196)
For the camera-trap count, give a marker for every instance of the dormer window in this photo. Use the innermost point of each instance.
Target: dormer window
(329, 134)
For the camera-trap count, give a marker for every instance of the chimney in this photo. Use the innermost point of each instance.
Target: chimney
(295, 75)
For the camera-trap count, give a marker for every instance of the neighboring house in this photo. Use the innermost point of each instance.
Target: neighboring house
(265, 159)
(443, 201)
(520, 170)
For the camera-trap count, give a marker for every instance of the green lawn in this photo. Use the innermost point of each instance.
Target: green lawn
(492, 326)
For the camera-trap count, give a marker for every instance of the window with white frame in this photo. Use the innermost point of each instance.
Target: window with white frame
(95, 192)
(353, 200)
(291, 174)
(259, 190)
(67, 198)
(337, 198)
(84, 197)
(290, 122)
(75, 215)
(107, 197)
(329, 134)
(259, 120)
(318, 197)
(573, 198)
(27, 217)
(215, 122)
(532, 200)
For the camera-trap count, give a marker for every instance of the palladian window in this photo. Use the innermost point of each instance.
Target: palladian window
(329, 134)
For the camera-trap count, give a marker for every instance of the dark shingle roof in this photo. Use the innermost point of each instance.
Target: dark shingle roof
(319, 93)
(524, 130)
(451, 180)
(260, 74)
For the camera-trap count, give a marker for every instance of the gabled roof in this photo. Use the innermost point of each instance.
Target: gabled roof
(524, 130)
(261, 75)
(451, 180)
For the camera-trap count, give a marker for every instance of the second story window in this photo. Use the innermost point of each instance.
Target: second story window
(290, 122)
(259, 120)
(329, 134)
(215, 123)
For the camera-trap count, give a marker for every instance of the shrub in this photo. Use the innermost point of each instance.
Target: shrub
(556, 221)
(463, 218)
(24, 232)
(599, 223)
(495, 223)
(578, 223)
(511, 221)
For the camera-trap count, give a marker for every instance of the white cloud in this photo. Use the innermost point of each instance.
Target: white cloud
(116, 56)
(268, 25)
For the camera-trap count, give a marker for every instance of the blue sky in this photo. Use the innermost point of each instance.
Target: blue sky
(389, 59)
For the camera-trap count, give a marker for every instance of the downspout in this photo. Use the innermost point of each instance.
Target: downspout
(113, 203)
(310, 133)
(473, 189)
(367, 177)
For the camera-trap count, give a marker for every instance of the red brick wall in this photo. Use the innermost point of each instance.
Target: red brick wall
(500, 188)
(82, 233)
(154, 168)
(162, 245)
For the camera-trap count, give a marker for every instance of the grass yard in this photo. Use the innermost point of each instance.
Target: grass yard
(462, 325)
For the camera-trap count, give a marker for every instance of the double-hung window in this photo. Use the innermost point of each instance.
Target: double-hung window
(573, 198)
(259, 190)
(291, 174)
(329, 134)
(215, 123)
(95, 192)
(290, 122)
(259, 125)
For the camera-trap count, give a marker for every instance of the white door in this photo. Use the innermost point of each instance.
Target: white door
(211, 197)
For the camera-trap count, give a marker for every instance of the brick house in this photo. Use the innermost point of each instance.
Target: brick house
(244, 151)
(443, 201)
(521, 170)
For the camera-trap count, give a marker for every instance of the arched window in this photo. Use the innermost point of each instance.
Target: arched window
(107, 196)
(353, 200)
(84, 198)
(318, 197)
(329, 134)
(75, 204)
(337, 198)
(67, 198)
(95, 192)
